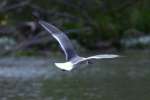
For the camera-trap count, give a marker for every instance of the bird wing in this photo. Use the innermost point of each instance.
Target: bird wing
(62, 38)
(102, 56)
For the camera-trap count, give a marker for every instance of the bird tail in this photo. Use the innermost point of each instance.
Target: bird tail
(68, 66)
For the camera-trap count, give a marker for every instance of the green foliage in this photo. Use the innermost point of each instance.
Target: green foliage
(26, 53)
(107, 20)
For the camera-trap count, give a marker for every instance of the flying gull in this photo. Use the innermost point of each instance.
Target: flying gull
(71, 56)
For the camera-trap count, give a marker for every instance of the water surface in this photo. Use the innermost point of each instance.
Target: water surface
(36, 78)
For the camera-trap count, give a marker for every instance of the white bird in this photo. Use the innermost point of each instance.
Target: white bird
(71, 56)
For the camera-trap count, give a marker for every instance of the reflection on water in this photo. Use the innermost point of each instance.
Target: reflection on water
(127, 78)
(25, 68)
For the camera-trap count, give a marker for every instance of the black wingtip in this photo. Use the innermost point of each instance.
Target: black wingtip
(36, 16)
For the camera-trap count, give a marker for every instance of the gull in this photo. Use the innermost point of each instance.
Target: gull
(72, 58)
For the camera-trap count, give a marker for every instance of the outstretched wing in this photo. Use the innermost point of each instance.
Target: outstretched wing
(103, 56)
(63, 40)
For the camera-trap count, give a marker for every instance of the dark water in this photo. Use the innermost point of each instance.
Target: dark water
(126, 78)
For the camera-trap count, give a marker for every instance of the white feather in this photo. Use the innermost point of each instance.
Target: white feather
(103, 56)
(68, 66)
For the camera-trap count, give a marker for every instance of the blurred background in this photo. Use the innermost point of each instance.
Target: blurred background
(27, 51)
